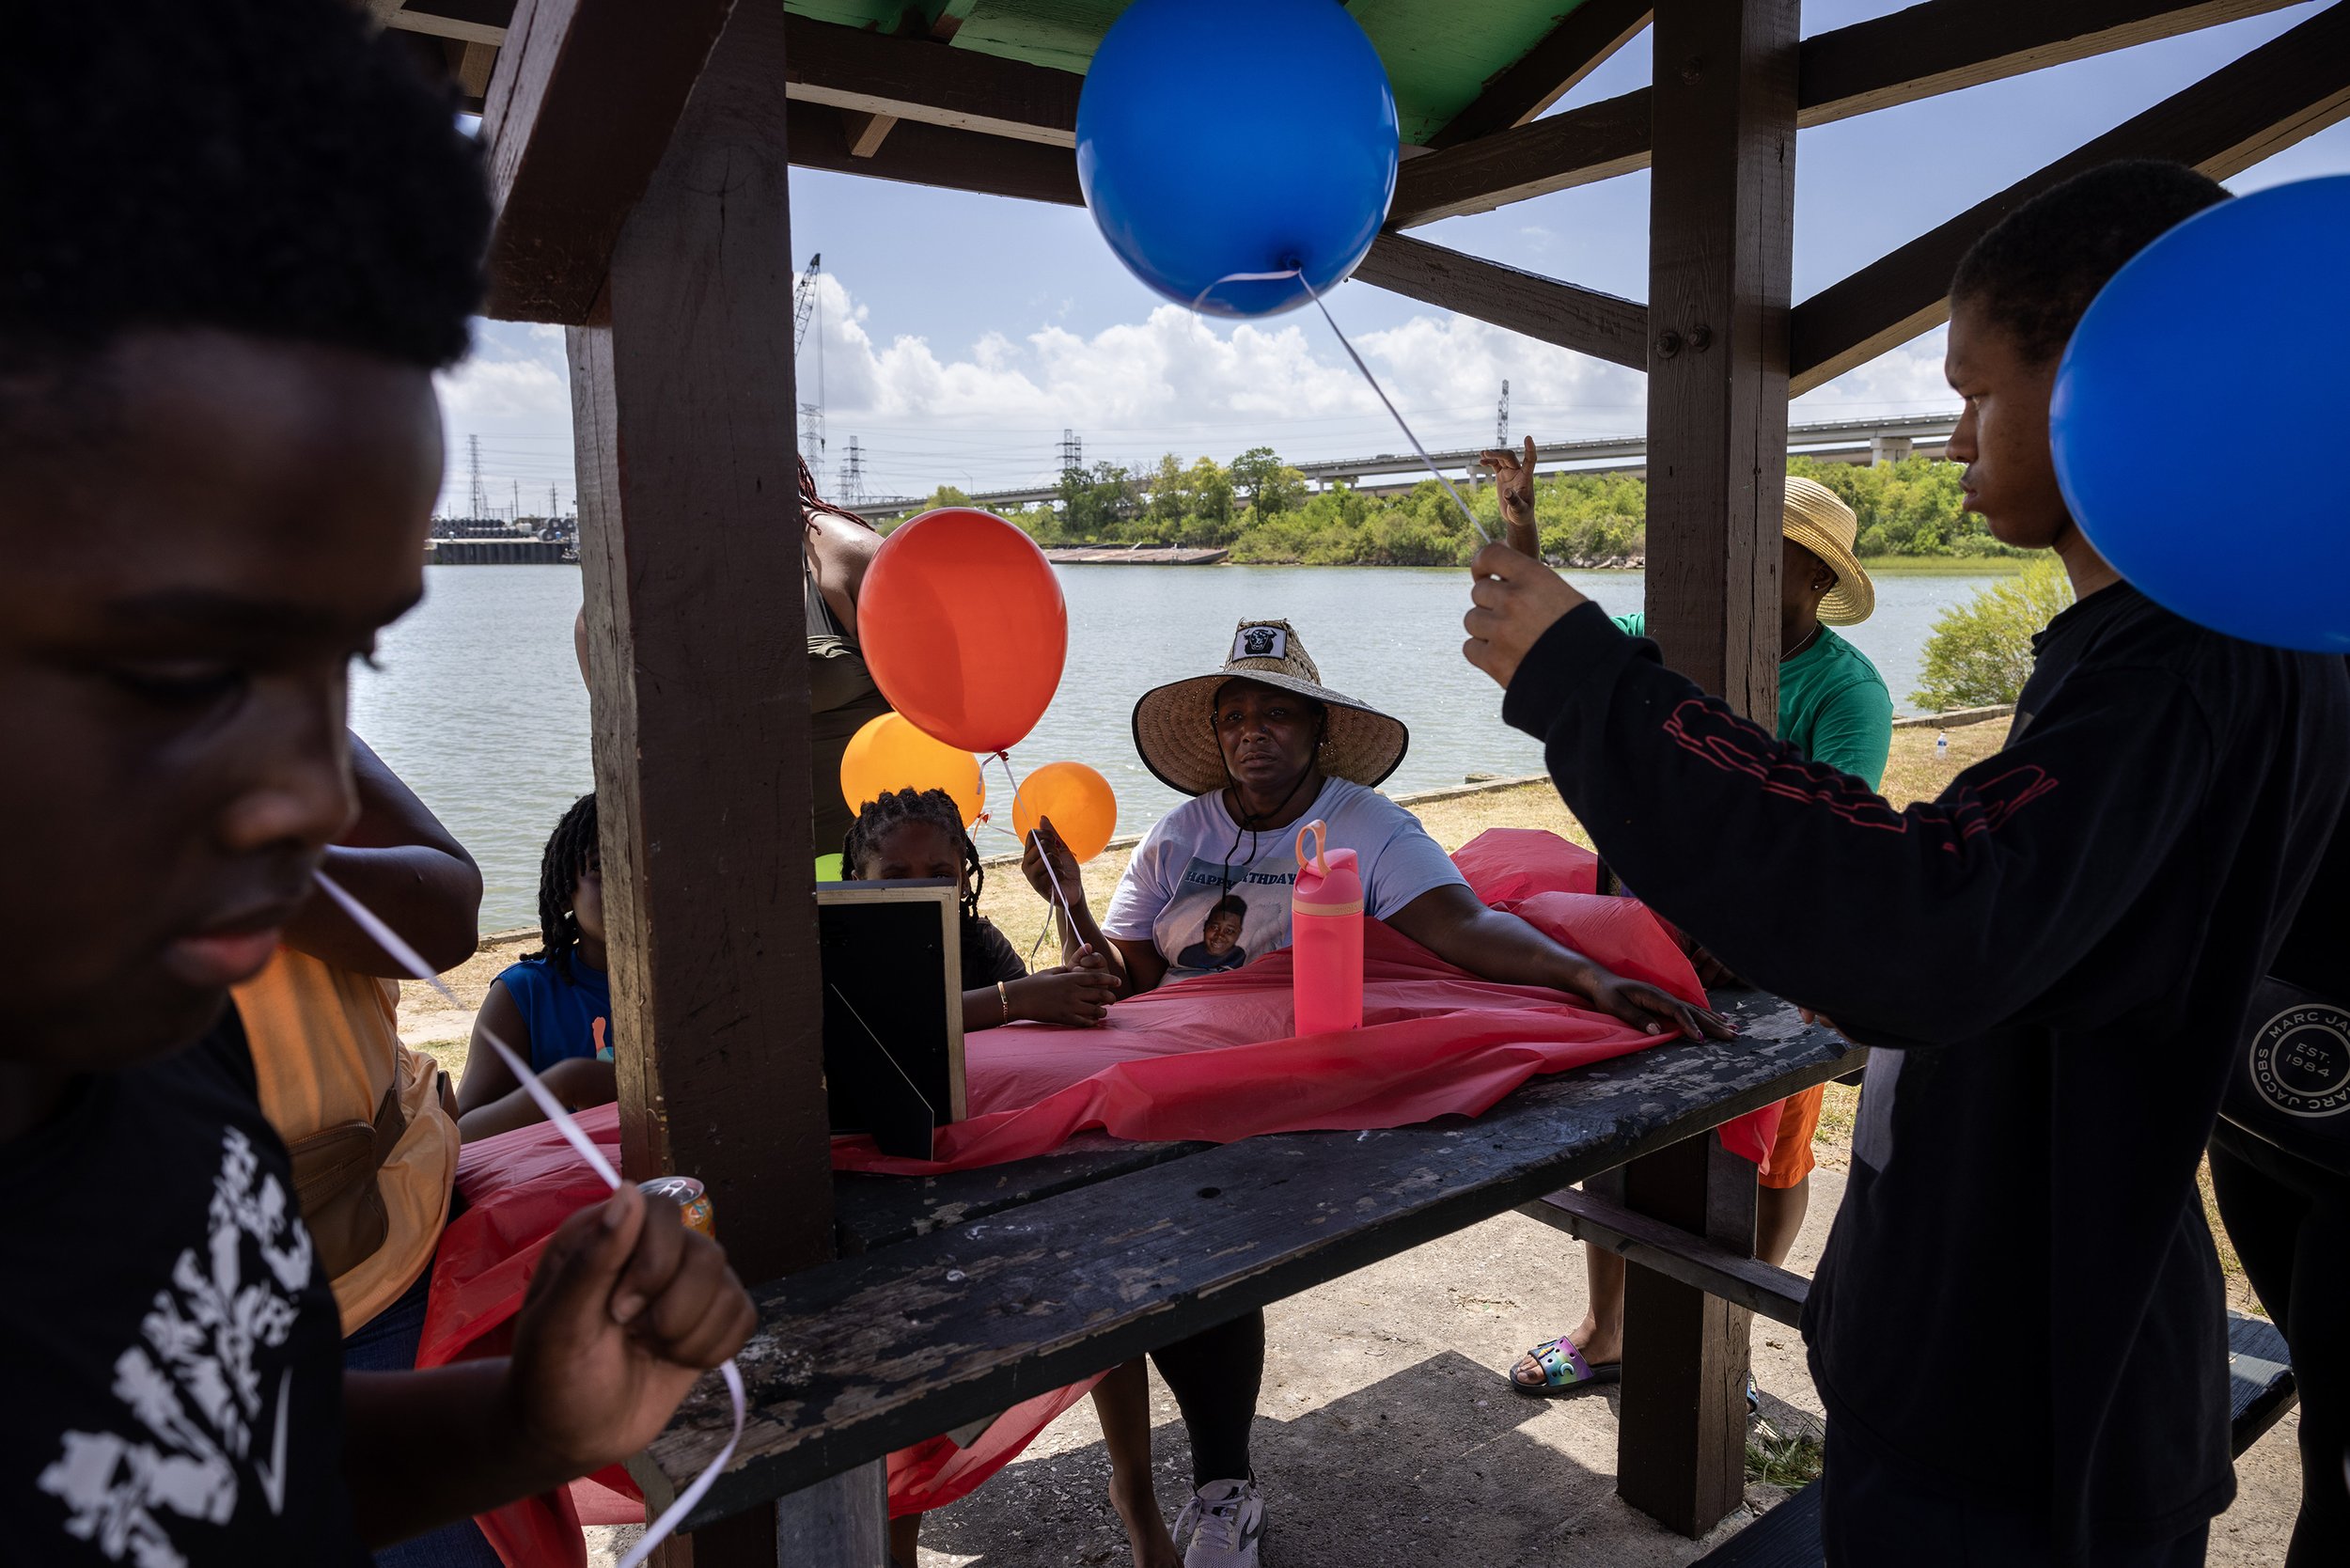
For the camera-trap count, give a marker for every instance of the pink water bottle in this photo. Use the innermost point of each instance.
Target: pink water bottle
(1326, 936)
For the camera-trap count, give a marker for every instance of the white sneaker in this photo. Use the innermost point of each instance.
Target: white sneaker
(1226, 1521)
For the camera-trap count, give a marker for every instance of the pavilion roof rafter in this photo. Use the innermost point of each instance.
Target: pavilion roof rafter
(1929, 49)
(2291, 87)
(1584, 40)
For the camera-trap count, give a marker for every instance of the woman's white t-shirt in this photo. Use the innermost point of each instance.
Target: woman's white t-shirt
(1211, 895)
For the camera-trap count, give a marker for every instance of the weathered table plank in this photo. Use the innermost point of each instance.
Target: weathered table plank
(872, 1211)
(868, 1354)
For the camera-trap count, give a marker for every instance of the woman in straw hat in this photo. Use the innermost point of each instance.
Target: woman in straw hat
(1261, 746)
(1834, 708)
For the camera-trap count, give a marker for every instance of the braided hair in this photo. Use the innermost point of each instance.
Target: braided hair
(899, 806)
(572, 848)
(811, 503)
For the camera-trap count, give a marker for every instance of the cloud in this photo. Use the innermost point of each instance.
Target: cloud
(989, 414)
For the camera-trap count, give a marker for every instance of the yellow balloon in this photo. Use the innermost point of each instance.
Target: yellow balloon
(889, 753)
(1080, 802)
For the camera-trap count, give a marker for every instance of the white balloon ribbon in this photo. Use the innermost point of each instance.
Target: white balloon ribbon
(408, 958)
(1299, 273)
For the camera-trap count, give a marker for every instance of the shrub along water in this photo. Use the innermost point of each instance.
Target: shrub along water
(1265, 511)
(1981, 651)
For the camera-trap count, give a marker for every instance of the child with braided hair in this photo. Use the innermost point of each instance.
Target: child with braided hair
(555, 1007)
(908, 833)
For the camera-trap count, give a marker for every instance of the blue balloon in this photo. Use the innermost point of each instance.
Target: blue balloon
(1222, 136)
(2198, 411)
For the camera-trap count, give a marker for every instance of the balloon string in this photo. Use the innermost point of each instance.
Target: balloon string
(1037, 838)
(1299, 273)
(410, 959)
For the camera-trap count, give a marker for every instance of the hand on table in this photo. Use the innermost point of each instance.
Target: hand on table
(1076, 996)
(1656, 1010)
(626, 1310)
(1033, 862)
(1514, 485)
(1515, 601)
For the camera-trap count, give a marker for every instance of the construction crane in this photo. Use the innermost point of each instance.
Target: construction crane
(806, 308)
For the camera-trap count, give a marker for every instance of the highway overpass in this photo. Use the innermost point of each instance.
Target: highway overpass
(1857, 441)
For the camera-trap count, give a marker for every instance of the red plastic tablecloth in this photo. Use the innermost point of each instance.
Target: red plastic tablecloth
(1191, 1060)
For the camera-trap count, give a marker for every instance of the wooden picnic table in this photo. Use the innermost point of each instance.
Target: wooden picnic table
(958, 1295)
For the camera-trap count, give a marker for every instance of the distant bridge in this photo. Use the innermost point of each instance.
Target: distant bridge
(1855, 441)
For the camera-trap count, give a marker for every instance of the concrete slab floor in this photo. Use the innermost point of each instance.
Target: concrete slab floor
(1386, 1434)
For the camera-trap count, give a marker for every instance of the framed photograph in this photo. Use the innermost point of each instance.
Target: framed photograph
(893, 1010)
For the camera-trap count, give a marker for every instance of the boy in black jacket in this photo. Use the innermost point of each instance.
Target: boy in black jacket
(236, 240)
(2052, 962)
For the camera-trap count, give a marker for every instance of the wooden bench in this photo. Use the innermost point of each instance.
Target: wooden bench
(965, 1293)
(2261, 1391)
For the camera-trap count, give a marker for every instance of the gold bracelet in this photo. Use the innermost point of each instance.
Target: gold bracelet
(1003, 999)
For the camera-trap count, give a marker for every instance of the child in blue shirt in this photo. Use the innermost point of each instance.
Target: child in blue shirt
(555, 1007)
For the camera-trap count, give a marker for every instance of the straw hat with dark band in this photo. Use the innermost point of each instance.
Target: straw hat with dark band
(1175, 724)
(1817, 519)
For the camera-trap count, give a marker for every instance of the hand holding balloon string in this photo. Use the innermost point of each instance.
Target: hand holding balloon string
(571, 1350)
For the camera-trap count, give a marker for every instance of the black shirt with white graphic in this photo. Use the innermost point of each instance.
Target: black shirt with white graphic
(169, 1349)
(2054, 959)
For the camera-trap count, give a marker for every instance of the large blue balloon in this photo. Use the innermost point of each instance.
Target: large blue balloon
(1221, 136)
(2199, 411)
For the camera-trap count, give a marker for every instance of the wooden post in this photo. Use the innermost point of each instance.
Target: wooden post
(684, 415)
(1720, 258)
(1720, 255)
(1681, 1447)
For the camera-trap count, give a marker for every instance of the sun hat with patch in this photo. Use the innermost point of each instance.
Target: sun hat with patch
(1817, 519)
(1175, 724)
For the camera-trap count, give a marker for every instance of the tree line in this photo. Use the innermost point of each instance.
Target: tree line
(1265, 511)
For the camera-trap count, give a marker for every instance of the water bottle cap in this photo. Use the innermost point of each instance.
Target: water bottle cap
(1320, 860)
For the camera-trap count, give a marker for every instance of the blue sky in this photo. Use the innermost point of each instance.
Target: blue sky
(961, 334)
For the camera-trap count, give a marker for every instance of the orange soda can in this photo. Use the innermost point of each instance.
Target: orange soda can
(694, 1205)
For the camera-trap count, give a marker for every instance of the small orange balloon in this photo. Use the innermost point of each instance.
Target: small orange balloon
(964, 626)
(889, 753)
(1083, 808)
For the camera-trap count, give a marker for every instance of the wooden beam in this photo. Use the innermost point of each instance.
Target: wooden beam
(466, 20)
(580, 108)
(864, 133)
(1575, 318)
(685, 424)
(1720, 258)
(474, 68)
(1934, 48)
(928, 80)
(1940, 48)
(1681, 1444)
(1578, 45)
(2291, 87)
(1717, 1270)
(1595, 142)
(920, 154)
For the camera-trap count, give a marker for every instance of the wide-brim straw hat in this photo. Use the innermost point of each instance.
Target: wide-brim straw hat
(1175, 724)
(1817, 519)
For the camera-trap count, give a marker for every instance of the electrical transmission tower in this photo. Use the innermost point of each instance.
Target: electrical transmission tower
(1073, 452)
(808, 306)
(551, 511)
(853, 476)
(481, 507)
(1501, 418)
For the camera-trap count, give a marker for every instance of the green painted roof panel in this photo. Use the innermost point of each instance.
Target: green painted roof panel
(1439, 54)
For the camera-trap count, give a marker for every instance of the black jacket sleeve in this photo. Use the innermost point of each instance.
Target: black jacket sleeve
(1926, 926)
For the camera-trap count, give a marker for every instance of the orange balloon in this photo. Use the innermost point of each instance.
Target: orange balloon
(963, 627)
(889, 753)
(1079, 801)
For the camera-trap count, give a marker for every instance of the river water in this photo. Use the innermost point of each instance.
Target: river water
(480, 706)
